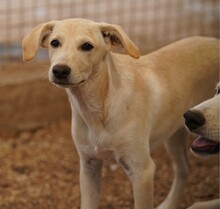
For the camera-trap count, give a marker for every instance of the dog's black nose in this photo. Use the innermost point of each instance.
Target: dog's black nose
(194, 119)
(61, 71)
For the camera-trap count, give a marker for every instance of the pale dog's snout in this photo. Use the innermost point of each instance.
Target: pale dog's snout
(193, 119)
(61, 71)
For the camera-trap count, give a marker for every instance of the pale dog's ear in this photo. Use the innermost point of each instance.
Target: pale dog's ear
(36, 38)
(115, 36)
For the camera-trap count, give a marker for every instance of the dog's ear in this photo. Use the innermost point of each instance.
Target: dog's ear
(36, 38)
(115, 36)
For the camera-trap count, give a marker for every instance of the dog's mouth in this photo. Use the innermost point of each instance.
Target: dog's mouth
(67, 84)
(204, 146)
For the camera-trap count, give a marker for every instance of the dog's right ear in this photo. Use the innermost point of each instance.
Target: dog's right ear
(36, 38)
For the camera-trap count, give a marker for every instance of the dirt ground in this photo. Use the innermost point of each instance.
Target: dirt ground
(40, 169)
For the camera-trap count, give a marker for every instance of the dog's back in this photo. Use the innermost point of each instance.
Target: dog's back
(189, 63)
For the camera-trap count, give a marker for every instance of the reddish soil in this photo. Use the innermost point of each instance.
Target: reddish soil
(40, 169)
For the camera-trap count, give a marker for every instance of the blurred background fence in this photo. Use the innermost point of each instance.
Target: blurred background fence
(150, 23)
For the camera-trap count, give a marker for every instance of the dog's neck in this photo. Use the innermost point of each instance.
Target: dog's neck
(91, 98)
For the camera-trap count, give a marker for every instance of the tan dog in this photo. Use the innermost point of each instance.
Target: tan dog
(123, 106)
(204, 119)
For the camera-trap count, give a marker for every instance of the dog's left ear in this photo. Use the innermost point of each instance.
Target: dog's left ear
(115, 36)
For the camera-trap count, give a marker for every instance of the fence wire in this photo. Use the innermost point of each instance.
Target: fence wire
(150, 23)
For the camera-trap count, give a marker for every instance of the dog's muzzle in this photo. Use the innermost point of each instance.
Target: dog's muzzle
(61, 77)
(201, 145)
(61, 72)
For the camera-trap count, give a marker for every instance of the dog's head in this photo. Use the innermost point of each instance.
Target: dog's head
(204, 120)
(76, 47)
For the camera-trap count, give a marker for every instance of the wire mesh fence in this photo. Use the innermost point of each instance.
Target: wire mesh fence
(150, 23)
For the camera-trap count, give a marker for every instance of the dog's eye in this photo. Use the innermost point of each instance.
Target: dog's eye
(87, 46)
(217, 91)
(55, 43)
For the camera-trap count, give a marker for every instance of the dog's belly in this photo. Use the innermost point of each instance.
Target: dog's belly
(108, 156)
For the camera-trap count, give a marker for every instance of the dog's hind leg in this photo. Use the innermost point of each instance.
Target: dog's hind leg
(176, 147)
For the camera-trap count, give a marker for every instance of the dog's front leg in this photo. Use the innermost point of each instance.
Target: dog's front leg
(141, 174)
(90, 175)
